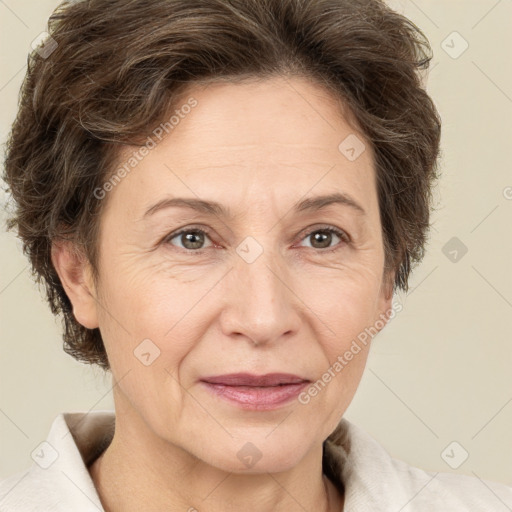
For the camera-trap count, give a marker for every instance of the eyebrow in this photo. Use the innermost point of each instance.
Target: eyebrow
(309, 204)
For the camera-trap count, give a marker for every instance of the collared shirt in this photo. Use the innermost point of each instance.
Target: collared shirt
(371, 479)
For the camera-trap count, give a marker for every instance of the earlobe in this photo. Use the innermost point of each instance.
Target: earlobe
(75, 275)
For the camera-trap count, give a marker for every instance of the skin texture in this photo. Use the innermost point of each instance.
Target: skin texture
(256, 148)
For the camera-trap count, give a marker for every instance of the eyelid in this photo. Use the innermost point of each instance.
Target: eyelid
(327, 227)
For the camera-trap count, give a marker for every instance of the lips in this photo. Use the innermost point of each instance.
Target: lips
(247, 379)
(255, 392)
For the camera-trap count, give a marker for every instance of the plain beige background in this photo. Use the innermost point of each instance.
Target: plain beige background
(440, 372)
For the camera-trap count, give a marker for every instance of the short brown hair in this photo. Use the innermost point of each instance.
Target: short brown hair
(116, 67)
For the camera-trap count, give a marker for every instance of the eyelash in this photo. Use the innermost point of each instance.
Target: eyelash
(330, 229)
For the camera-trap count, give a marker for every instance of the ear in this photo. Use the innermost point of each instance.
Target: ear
(385, 301)
(75, 274)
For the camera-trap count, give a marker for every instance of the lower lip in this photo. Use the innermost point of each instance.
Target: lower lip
(257, 398)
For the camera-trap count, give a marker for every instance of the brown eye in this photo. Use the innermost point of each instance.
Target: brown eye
(322, 238)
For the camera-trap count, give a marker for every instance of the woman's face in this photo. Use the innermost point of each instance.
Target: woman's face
(264, 289)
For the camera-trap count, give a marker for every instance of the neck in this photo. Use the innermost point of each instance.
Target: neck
(162, 476)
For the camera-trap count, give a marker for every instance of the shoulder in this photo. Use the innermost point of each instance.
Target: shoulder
(452, 491)
(376, 481)
(58, 479)
(17, 492)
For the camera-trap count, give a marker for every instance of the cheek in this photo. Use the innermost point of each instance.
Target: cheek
(148, 318)
(345, 307)
(350, 316)
(137, 296)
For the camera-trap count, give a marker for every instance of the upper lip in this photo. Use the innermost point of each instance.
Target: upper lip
(248, 379)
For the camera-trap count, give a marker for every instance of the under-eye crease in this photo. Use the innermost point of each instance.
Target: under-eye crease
(342, 235)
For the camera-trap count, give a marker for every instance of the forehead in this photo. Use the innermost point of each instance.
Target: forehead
(260, 114)
(247, 141)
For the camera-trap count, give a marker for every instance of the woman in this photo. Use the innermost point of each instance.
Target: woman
(221, 197)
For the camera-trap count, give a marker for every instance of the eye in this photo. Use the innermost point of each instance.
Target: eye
(192, 239)
(322, 238)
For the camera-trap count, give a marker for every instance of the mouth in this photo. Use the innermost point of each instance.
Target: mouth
(256, 392)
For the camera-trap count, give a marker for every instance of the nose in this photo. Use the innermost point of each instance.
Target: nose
(259, 302)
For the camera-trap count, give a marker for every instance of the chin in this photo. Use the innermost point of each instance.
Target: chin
(254, 453)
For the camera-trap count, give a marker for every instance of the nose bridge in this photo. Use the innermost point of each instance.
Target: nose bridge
(259, 303)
